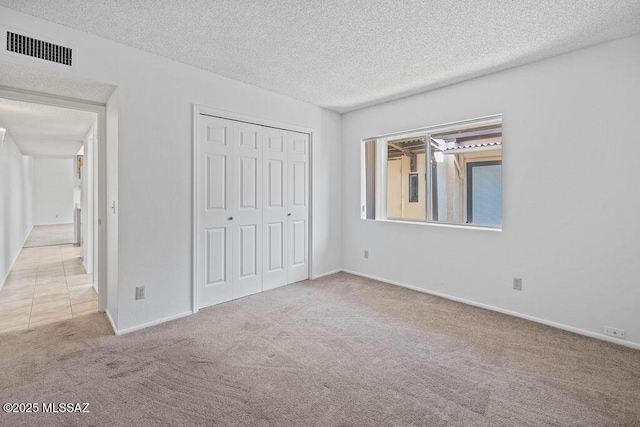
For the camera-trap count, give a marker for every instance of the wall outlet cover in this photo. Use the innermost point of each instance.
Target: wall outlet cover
(140, 292)
(615, 332)
(517, 283)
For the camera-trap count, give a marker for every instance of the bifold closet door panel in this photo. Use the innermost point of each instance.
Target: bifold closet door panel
(247, 209)
(214, 154)
(275, 205)
(298, 201)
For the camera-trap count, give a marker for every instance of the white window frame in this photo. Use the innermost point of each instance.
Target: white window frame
(381, 172)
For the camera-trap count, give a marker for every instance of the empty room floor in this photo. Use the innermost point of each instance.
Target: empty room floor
(341, 350)
(47, 284)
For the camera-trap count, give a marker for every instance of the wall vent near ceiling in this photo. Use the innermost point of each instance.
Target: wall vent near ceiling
(34, 50)
(25, 45)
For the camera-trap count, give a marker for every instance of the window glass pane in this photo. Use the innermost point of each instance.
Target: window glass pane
(405, 172)
(485, 201)
(457, 199)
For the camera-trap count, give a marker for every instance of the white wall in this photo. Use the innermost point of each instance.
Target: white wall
(570, 172)
(16, 186)
(53, 189)
(77, 185)
(155, 99)
(87, 198)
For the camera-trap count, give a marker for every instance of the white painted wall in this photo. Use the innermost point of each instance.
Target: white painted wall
(16, 187)
(571, 207)
(87, 198)
(77, 185)
(154, 216)
(53, 189)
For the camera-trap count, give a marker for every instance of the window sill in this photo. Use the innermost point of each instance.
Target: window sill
(440, 224)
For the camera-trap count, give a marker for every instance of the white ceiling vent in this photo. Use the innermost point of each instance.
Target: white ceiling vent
(24, 46)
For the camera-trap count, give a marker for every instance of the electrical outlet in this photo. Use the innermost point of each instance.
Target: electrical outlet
(366, 254)
(615, 332)
(517, 283)
(140, 292)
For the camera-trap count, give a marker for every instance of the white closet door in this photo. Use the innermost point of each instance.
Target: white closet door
(215, 158)
(298, 201)
(247, 210)
(275, 220)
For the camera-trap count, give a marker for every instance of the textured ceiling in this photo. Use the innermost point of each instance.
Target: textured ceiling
(44, 130)
(44, 81)
(345, 55)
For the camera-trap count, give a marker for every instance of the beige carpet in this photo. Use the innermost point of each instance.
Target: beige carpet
(337, 351)
(50, 235)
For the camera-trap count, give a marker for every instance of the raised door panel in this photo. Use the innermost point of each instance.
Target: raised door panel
(299, 184)
(275, 183)
(248, 183)
(217, 131)
(216, 182)
(300, 144)
(275, 247)
(298, 242)
(248, 251)
(275, 140)
(247, 136)
(216, 255)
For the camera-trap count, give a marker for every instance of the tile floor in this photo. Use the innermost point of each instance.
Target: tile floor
(46, 285)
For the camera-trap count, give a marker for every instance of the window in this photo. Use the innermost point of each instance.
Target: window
(448, 174)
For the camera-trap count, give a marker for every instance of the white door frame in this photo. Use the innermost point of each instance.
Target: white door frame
(101, 223)
(230, 115)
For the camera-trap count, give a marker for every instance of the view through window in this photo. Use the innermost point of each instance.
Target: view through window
(450, 174)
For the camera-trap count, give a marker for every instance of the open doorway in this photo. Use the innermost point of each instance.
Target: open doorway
(49, 189)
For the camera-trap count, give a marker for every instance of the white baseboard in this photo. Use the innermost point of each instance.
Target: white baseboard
(15, 258)
(85, 268)
(152, 323)
(318, 276)
(113, 325)
(562, 326)
(95, 282)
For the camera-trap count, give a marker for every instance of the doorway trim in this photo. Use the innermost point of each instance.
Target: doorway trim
(100, 219)
(231, 115)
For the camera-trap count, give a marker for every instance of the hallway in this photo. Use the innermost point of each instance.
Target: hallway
(47, 284)
(50, 235)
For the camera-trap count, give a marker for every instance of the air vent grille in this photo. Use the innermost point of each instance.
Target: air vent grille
(29, 46)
